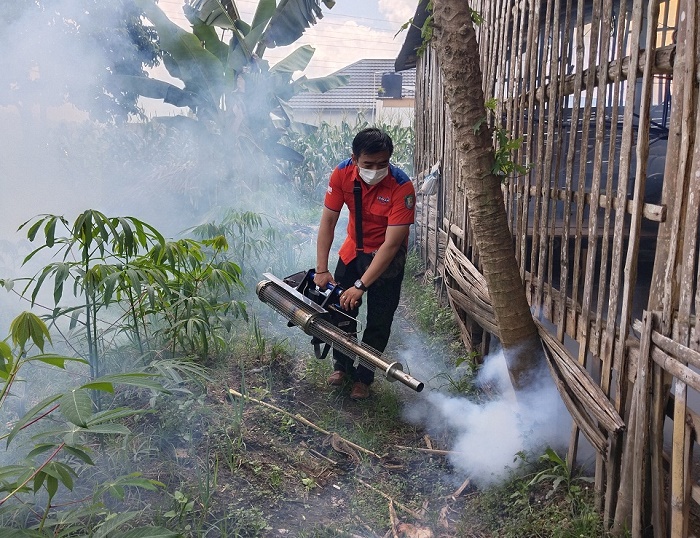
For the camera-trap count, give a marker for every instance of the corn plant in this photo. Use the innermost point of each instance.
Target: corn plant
(330, 144)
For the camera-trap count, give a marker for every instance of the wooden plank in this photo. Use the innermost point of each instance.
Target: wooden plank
(609, 350)
(567, 199)
(658, 416)
(581, 385)
(620, 30)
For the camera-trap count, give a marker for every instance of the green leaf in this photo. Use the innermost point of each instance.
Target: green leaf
(321, 84)
(50, 231)
(79, 453)
(101, 386)
(113, 522)
(5, 355)
(31, 415)
(290, 21)
(133, 379)
(39, 480)
(296, 61)
(76, 407)
(196, 66)
(212, 12)
(40, 449)
(207, 35)
(242, 53)
(149, 532)
(135, 480)
(264, 12)
(108, 429)
(9, 473)
(158, 89)
(56, 360)
(118, 413)
(33, 229)
(66, 473)
(26, 326)
(51, 485)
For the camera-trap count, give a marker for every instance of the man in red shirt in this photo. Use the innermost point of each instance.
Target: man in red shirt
(373, 255)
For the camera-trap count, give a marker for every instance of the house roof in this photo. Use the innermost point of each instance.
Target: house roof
(408, 54)
(362, 90)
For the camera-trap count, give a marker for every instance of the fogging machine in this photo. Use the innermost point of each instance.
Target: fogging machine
(319, 314)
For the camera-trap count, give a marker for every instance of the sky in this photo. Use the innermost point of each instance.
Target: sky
(352, 30)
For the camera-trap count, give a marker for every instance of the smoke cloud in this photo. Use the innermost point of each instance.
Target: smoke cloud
(487, 435)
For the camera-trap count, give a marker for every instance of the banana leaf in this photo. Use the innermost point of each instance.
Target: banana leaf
(158, 89)
(199, 69)
(219, 13)
(207, 35)
(320, 84)
(296, 61)
(290, 20)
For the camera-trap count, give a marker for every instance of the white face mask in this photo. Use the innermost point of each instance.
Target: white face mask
(372, 177)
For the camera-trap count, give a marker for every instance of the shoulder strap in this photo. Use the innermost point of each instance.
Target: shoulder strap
(357, 191)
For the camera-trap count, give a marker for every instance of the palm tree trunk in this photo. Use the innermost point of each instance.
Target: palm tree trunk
(458, 54)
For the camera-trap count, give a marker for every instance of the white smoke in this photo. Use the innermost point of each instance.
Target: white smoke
(487, 436)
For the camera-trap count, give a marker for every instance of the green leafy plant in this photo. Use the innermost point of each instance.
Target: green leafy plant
(559, 473)
(230, 85)
(504, 165)
(92, 242)
(195, 304)
(330, 144)
(176, 292)
(50, 464)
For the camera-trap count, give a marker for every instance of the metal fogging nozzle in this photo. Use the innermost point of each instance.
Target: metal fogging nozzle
(313, 319)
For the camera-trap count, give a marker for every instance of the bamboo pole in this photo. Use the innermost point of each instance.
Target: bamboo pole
(618, 70)
(640, 446)
(658, 486)
(679, 486)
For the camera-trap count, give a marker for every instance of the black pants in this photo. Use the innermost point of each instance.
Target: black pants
(382, 299)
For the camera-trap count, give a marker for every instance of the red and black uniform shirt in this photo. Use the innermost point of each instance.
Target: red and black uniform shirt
(391, 202)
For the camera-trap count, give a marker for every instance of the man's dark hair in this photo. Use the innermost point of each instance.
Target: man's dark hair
(370, 141)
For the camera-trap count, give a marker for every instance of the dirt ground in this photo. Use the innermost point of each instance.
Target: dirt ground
(348, 475)
(295, 457)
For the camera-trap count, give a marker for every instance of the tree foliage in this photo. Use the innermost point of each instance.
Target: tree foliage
(229, 86)
(70, 52)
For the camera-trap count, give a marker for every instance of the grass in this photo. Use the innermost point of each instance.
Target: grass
(234, 468)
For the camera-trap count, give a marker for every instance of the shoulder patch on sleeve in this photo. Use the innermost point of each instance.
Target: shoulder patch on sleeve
(399, 175)
(409, 201)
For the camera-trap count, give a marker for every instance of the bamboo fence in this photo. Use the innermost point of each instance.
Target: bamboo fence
(604, 97)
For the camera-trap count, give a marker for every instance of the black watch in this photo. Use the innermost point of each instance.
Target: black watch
(359, 285)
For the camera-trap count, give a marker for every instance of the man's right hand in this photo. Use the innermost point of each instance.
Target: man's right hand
(322, 279)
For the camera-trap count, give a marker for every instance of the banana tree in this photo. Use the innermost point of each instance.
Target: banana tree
(229, 85)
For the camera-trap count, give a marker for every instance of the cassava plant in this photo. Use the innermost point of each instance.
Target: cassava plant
(45, 465)
(97, 256)
(177, 289)
(196, 304)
